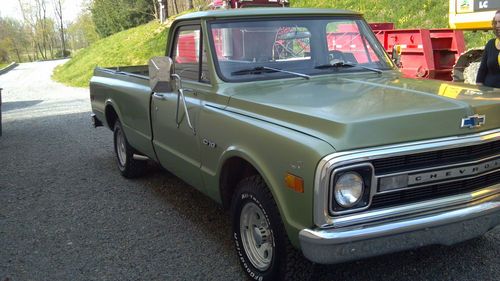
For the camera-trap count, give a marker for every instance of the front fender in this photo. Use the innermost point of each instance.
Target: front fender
(273, 151)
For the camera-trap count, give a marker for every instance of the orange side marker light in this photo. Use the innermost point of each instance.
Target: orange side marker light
(294, 182)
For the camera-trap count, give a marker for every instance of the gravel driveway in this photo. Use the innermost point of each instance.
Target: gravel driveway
(67, 214)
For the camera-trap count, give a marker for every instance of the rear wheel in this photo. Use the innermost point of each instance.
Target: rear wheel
(128, 166)
(261, 242)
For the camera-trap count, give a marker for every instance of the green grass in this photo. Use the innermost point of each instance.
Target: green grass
(130, 47)
(3, 64)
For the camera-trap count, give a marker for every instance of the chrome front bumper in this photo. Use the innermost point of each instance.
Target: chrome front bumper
(450, 226)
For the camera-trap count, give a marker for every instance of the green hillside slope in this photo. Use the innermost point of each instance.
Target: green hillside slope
(130, 47)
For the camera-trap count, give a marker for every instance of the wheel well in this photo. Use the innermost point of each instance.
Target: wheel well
(234, 170)
(111, 116)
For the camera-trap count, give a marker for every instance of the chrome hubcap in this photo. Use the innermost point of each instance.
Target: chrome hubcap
(256, 236)
(120, 148)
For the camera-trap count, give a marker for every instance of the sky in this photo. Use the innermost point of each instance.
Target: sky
(71, 9)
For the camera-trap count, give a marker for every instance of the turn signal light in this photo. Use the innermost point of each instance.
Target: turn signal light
(294, 182)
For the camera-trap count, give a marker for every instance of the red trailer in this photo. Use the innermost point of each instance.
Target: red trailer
(423, 53)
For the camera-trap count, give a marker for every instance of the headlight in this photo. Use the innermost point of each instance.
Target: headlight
(349, 189)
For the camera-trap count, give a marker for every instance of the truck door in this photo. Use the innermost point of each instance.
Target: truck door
(174, 131)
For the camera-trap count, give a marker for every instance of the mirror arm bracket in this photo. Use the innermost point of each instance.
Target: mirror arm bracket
(180, 95)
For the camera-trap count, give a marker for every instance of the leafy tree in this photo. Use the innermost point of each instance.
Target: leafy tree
(39, 27)
(82, 32)
(13, 40)
(111, 16)
(59, 15)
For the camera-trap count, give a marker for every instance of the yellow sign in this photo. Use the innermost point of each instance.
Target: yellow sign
(453, 91)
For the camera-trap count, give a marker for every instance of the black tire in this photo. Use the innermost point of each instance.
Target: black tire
(286, 263)
(128, 166)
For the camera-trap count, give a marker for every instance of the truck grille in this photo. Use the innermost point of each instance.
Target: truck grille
(436, 158)
(434, 191)
(441, 160)
(411, 178)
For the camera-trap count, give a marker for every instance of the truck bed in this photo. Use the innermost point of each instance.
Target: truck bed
(127, 90)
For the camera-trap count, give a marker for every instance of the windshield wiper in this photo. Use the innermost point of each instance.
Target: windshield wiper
(266, 69)
(347, 64)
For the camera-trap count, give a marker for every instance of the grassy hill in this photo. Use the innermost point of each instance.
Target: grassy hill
(135, 46)
(130, 47)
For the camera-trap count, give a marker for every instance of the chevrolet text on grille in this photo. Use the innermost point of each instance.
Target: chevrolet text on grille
(411, 179)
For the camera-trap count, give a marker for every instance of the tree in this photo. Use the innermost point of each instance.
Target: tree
(28, 12)
(59, 14)
(111, 16)
(176, 9)
(39, 27)
(13, 40)
(156, 7)
(82, 32)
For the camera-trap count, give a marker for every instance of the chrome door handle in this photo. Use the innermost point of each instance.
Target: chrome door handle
(159, 96)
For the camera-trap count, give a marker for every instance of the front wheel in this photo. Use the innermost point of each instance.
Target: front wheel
(261, 242)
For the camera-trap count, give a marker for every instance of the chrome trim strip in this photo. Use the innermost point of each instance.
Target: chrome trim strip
(494, 161)
(434, 183)
(140, 157)
(419, 207)
(330, 162)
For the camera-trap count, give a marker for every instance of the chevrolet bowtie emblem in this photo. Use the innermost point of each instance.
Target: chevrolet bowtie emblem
(473, 121)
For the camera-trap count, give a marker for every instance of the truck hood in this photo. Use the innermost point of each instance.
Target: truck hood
(368, 110)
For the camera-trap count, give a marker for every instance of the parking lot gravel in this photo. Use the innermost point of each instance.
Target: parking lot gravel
(67, 214)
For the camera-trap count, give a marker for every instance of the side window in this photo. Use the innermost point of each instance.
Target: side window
(186, 54)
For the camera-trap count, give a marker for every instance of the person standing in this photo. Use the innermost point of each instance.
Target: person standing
(489, 69)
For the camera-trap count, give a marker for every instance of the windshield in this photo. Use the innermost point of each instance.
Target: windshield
(260, 49)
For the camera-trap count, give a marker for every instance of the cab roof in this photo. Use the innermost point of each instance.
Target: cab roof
(265, 12)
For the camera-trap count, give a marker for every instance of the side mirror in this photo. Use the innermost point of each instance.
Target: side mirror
(160, 74)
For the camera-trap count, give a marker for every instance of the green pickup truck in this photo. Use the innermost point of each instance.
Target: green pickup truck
(298, 123)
